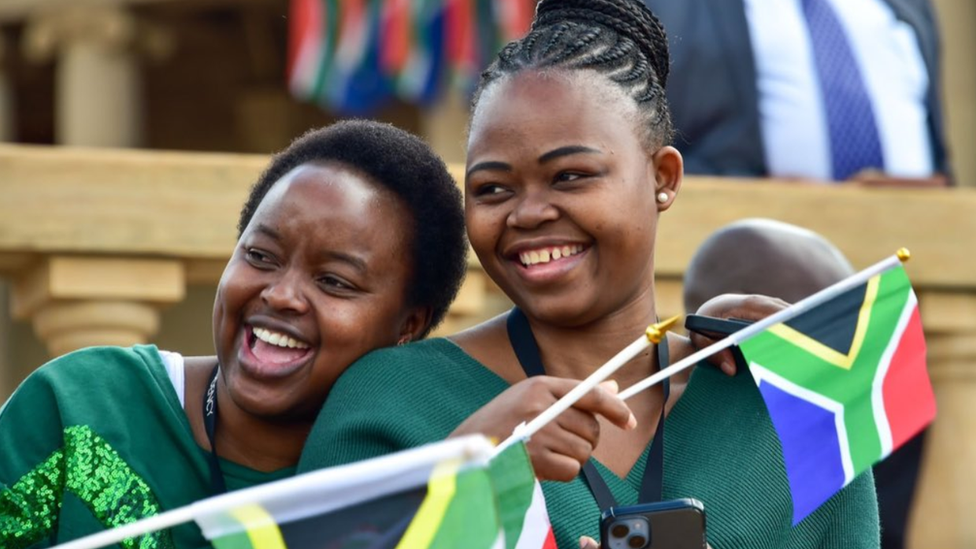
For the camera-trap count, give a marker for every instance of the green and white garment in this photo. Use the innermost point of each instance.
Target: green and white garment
(96, 439)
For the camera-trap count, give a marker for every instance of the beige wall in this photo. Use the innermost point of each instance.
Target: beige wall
(958, 21)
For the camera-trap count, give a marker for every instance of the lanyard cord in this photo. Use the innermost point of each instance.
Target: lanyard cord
(217, 485)
(527, 350)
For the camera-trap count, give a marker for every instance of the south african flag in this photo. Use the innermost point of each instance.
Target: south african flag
(845, 384)
(439, 496)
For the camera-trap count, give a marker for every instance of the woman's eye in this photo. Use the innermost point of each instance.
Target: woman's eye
(563, 177)
(258, 257)
(489, 190)
(332, 282)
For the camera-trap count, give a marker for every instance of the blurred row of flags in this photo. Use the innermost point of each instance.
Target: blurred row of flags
(354, 56)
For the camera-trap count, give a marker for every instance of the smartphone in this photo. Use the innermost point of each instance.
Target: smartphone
(714, 327)
(675, 524)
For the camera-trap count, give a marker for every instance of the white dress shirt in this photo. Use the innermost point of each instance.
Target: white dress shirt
(794, 126)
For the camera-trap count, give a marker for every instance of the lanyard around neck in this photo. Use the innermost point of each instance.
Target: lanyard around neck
(527, 351)
(209, 410)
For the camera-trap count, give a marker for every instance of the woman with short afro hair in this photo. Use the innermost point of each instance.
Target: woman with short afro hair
(352, 239)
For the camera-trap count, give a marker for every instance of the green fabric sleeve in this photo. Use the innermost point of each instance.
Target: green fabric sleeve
(364, 417)
(849, 520)
(398, 398)
(32, 466)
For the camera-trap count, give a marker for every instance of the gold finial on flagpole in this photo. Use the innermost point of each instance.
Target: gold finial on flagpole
(903, 254)
(655, 332)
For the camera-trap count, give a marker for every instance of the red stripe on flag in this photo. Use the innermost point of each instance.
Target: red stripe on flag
(517, 18)
(907, 392)
(460, 34)
(550, 542)
(395, 45)
(304, 25)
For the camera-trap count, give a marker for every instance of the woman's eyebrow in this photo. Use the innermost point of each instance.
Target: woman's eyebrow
(268, 231)
(489, 165)
(566, 151)
(352, 260)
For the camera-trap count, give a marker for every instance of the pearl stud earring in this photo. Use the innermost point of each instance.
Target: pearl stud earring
(662, 197)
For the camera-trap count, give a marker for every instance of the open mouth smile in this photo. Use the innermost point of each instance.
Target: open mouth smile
(548, 254)
(269, 353)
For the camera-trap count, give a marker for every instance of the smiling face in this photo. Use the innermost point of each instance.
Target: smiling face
(560, 198)
(318, 278)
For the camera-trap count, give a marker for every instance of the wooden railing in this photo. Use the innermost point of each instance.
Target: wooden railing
(95, 242)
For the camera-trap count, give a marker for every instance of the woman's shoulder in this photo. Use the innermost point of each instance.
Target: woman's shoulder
(94, 369)
(416, 366)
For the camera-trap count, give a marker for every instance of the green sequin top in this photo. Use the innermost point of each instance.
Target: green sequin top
(96, 439)
(720, 447)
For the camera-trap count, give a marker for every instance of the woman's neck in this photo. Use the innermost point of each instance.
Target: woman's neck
(576, 352)
(256, 442)
(245, 439)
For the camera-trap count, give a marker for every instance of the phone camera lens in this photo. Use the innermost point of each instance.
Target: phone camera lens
(620, 530)
(637, 542)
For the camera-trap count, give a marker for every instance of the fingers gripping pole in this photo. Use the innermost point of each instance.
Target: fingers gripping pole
(524, 431)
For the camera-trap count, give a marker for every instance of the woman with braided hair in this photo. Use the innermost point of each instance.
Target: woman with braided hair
(568, 168)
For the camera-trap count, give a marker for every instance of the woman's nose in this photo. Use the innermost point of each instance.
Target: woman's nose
(286, 293)
(532, 210)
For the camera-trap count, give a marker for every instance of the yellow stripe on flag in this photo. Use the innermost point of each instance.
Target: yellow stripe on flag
(260, 526)
(827, 354)
(440, 492)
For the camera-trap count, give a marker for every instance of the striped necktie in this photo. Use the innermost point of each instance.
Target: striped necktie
(854, 140)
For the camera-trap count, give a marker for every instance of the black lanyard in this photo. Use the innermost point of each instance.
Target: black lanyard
(527, 351)
(217, 485)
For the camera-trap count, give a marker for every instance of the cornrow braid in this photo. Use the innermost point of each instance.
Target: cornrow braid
(620, 39)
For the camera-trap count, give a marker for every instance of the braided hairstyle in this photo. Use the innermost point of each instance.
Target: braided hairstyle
(407, 166)
(620, 39)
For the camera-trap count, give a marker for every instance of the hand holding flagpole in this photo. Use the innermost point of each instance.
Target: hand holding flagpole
(653, 334)
(525, 430)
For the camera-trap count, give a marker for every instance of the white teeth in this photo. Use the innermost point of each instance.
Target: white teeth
(546, 255)
(278, 339)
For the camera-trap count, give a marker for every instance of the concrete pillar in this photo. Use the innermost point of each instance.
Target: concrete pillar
(7, 122)
(946, 495)
(98, 93)
(76, 302)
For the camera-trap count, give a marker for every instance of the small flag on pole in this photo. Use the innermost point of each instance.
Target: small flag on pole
(845, 384)
(843, 375)
(444, 495)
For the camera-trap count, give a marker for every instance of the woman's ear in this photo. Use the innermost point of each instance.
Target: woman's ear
(668, 173)
(415, 324)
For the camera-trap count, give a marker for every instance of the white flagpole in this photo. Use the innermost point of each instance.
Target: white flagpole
(788, 313)
(400, 470)
(524, 431)
(132, 530)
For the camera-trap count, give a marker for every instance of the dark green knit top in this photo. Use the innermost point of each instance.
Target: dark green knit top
(720, 448)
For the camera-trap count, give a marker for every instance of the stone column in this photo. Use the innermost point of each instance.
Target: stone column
(942, 515)
(6, 95)
(98, 92)
(77, 302)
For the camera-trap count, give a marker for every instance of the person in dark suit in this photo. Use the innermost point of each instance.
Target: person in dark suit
(747, 98)
(790, 263)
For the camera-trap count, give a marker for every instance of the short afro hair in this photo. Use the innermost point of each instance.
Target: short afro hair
(406, 165)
